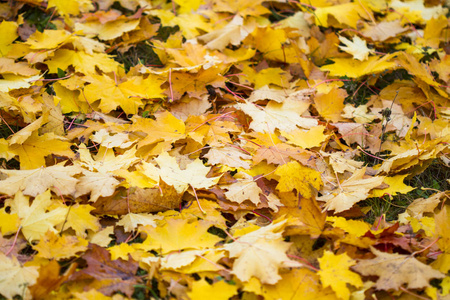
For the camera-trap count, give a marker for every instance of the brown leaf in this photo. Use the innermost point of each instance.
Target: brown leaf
(139, 200)
(111, 275)
(394, 270)
(50, 279)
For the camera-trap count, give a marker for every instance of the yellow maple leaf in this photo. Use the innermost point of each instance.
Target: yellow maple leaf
(442, 229)
(80, 219)
(178, 234)
(109, 30)
(354, 69)
(33, 150)
(10, 66)
(71, 7)
(202, 262)
(313, 137)
(9, 34)
(210, 130)
(415, 11)
(348, 13)
(267, 77)
(121, 251)
(233, 33)
(241, 7)
(295, 176)
(12, 82)
(53, 246)
(335, 272)
(350, 191)
(34, 182)
(396, 186)
(9, 222)
(105, 161)
(228, 156)
(194, 175)
(283, 116)
(247, 189)
(354, 227)
(296, 284)
(191, 25)
(35, 218)
(15, 278)
(96, 184)
(260, 254)
(384, 30)
(81, 61)
(48, 39)
(201, 289)
(131, 221)
(166, 127)
(112, 94)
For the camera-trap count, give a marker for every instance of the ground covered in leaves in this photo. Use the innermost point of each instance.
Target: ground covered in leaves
(241, 149)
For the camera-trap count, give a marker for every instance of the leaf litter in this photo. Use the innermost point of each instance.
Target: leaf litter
(241, 164)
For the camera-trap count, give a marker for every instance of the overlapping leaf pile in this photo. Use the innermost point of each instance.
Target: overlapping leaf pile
(231, 166)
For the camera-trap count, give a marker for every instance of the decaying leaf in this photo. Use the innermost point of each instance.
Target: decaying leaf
(394, 270)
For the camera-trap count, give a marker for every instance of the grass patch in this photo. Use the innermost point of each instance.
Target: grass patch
(432, 180)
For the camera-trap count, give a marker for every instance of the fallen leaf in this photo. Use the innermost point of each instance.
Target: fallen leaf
(110, 275)
(394, 270)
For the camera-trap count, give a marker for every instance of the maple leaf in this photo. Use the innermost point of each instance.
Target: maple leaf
(70, 7)
(396, 186)
(247, 189)
(212, 131)
(354, 69)
(347, 13)
(105, 161)
(298, 283)
(79, 218)
(357, 48)
(260, 253)
(194, 84)
(112, 94)
(179, 234)
(442, 229)
(283, 116)
(9, 30)
(33, 150)
(108, 30)
(233, 33)
(50, 279)
(295, 176)
(9, 222)
(202, 289)
(35, 218)
(306, 138)
(228, 156)
(34, 182)
(334, 272)
(131, 221)
(194, 175)
(52, 246)
(165, 128)
(96, 184)
(110, 275)
(308, 218)
(15, 278)
(200, 122)
(350, 191)
(394, 270)
(383, 30)
(81, 61)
